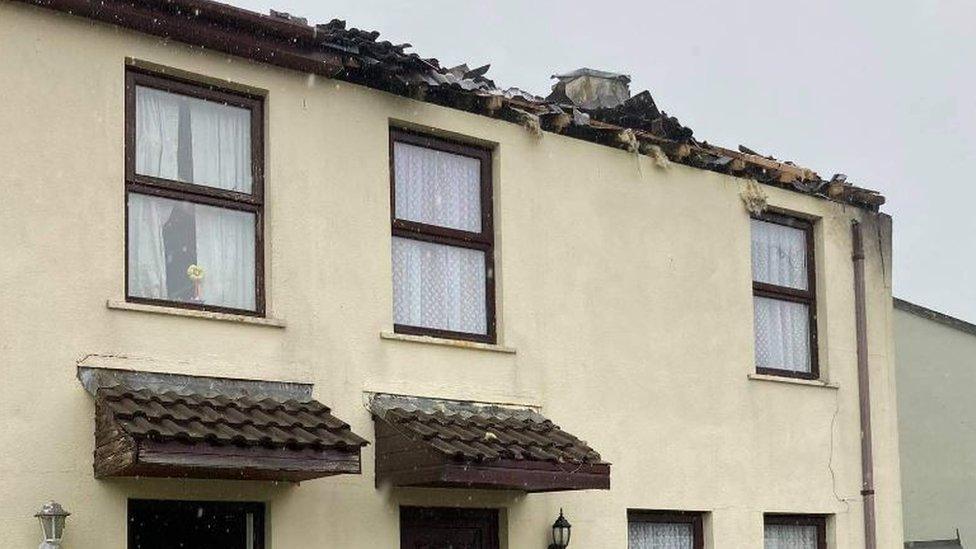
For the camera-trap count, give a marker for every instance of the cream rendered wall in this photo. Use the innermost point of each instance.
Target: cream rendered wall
(936, 376)
(624, 287)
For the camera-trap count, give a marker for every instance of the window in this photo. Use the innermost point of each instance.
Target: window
(795, 532)
(664, 530)
(163, 524)
(784, 302)
(443, 241)
(194, 195)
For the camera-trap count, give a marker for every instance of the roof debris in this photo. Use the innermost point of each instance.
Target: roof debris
(613, 123)
(333, 50)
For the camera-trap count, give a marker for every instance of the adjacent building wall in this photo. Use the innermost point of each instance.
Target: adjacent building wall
(624, 287)
(936, 365)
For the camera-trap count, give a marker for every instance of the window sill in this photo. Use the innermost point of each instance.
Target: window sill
(120, 305)
(456, 343)
(794, 381)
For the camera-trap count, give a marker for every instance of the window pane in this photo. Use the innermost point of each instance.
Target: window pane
(786, 536)
(782, 334)
(167, 236)
(192, 140)
(438, 286)
(779, 255)
(437, 188)
(660, 535)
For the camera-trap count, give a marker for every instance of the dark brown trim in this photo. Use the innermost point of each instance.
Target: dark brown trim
(215, 26)
(198, 194)
(693, 518)
(807, 297)
(505, 475)
(120, 455)
(483, 241)
(864, 388)
(820, 521)
(443, 334)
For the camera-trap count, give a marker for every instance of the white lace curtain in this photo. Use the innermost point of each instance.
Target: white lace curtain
(192, 140)
(660, 535)
(785, 536)
(437, 188)
(438, 286)
(435, 285)
(779, 256)
(219, 155)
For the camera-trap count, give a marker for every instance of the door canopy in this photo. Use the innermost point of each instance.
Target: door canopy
(427, 442)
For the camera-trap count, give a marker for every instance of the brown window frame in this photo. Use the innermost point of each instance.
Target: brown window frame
(694, 518)
(782, 293)
(483, 241)
(198, 194)
(820, 521)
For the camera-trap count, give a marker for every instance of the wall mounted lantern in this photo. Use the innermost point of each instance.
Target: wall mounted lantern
(561, 530)
(51, 517)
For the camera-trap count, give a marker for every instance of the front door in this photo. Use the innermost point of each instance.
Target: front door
(448, 528)
(163, 524)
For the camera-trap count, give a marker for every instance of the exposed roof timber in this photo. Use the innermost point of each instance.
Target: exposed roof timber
(356, 56)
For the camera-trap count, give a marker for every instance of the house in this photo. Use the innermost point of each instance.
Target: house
(274, 285)
(936, 374)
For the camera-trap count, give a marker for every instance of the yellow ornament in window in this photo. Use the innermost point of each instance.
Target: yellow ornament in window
(195, 272)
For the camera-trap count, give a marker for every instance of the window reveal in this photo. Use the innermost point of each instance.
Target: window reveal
(795, 532)
(784, 296)
(194, 195)
(664, 530)
(443, 242)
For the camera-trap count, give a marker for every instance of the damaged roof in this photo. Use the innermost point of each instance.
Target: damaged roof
(332, 49)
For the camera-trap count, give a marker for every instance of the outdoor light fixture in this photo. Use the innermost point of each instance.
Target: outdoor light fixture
(51, 517)
(560, 532)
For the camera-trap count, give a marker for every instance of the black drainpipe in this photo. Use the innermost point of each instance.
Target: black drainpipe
(863, 389)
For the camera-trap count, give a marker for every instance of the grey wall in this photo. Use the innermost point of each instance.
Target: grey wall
(936, 369)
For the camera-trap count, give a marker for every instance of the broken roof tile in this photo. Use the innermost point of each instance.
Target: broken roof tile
(360, 57)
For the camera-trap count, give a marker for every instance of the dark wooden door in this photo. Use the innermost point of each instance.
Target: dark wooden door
(162, 524)
(448, 528)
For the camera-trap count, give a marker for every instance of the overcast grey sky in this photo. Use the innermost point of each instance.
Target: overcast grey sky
(882, 90)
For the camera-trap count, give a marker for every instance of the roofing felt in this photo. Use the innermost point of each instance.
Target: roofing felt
(358, 56)
(485, 437)
(217, 420)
